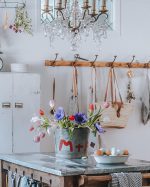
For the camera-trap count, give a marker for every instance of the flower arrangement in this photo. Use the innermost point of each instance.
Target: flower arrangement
(41, 124)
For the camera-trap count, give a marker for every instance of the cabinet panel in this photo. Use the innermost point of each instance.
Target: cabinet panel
(5, 113)
(26, 100)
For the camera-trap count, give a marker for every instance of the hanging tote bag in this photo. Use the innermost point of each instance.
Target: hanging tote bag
(117, 114)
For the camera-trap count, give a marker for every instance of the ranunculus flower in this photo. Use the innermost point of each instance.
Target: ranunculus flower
(31, 128)
(80, 118)
(71, 118)
(41, 112)
(91, 107)
(37, 139)
(52, 103)
(59, 114)
(105, 105)
(99, 127)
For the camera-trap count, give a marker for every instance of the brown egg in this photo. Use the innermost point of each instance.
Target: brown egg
(99, 152)
(125, 152)
(108, 152)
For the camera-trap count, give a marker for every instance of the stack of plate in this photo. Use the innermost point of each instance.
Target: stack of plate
(20, 68)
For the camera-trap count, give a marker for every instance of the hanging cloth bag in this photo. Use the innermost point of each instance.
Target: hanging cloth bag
(117, 114)
(145, 108)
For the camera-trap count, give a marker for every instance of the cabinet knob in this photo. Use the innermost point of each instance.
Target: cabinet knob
(18, 105)
(6, 105)
(36, 92)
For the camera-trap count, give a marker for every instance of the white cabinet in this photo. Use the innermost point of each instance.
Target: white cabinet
(19, 100)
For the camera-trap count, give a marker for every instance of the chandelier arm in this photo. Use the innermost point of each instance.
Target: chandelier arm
(42, 15)
(51, 15)
(60, 13)
(85, 13)
(74, 28)
(95, 19)
(100, 15)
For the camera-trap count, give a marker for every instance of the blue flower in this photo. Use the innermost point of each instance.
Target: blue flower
(99, 127)
(80, 118)
(59, 114)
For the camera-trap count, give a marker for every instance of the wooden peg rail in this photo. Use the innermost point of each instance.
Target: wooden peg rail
(97, 64)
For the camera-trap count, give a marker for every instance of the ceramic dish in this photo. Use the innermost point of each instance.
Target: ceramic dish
(111, 159)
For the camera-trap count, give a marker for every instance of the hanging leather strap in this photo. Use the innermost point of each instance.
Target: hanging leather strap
(114, 88)
(75, 82)
(54, 89)
(116, 82)
(119, 104)
(94, 77)
(75, 87)
(109, 81)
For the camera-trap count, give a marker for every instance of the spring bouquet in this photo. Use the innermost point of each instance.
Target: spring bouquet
(42, 124)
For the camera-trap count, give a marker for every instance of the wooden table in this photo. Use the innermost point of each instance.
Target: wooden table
(55, 172)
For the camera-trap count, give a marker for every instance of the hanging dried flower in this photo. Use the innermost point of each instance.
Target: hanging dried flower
(22, 21)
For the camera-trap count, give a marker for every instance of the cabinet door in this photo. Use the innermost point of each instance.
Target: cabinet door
(26, 101)
(5, 113)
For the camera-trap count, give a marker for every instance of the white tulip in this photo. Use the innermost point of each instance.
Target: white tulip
(52, 103)
(35, 119)
(49, 131)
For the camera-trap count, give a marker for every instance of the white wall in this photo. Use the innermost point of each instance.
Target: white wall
(131, 37)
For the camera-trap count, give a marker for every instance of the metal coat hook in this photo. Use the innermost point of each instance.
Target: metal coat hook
(15, 170)
(92, 63)
(23, 173)
(112, 63)
(80, 58)
(54, 61)
(50, 182)
(147, 65)
(31, 175)
(76, 57)
(41, 181)
(129, 64)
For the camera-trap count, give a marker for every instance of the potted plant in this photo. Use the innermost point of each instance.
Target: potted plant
(71, 132)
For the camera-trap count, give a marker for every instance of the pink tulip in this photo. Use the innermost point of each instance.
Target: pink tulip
(31, 128)
(37, 139)
(105, 105)
(42, 135)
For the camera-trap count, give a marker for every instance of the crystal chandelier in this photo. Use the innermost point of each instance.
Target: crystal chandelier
(69, 19)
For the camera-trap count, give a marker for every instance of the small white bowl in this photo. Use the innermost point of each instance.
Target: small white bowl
(20, 68)
(111, 159)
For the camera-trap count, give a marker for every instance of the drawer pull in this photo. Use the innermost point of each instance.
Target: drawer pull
(6, 105)
(18, 105)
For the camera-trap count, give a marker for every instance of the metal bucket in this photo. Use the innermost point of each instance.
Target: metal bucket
(71, 147)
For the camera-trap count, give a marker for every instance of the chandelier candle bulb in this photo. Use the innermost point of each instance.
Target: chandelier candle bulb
(46, 2)
(103, 3)
(59, 4)
(94, 5)
(46, 6)
(85, 4)
(104, 9)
